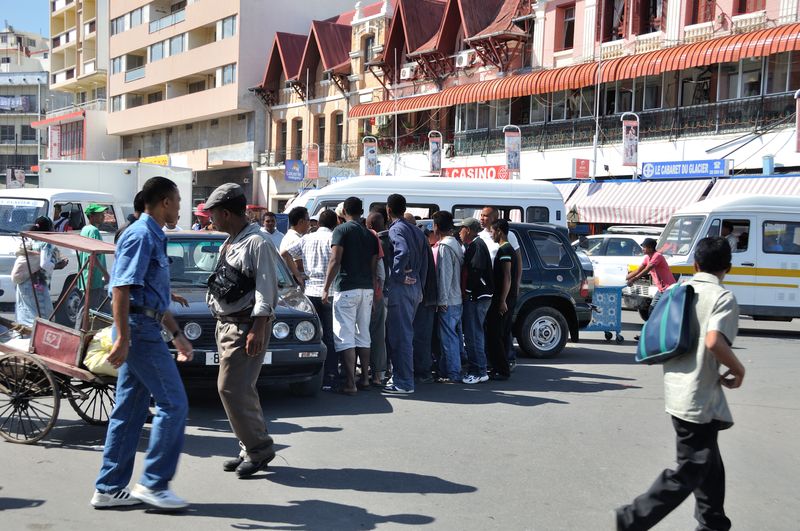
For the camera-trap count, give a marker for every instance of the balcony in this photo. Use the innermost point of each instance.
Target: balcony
(65, 38)
(89, 28)
(649, 42)
(133, 75)
(749, 22)
(94, 105)
(612, 50)
(698, 32)
(732, 116)
(170, 20)
(58, 5)
(62, 76)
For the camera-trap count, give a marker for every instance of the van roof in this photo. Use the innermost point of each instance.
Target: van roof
(52, 194)
(441, 186)
(744, 203)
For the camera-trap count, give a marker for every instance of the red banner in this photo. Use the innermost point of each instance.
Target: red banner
(580, 168)
(312, 169)
(477, 172)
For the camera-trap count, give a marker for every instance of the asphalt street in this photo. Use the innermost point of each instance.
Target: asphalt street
(554, 448)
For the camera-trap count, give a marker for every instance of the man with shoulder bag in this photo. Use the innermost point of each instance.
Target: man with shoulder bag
(242, 294)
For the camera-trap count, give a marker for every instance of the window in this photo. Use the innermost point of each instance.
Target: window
(109, 223)
(117, 25)
(196, 86)
(503, 113)
(511, 213)
(751, 77)
(177, 6)
(213, 123)
(651, 93)
(781, 237)
(30, 42)
(778, 72)
(587, 102)
(155, 97)
(3, 38)
(228, 27)
(116, 65)
(701, 11)
(135, 100)
(591, 247)
(423, 210)
(134, 61)
(367, 52)
(741, 79)
(6, 134)
(558, 110)
(567, 15)
(534, 214)
(116, 103)
(623, 247)
(749, 6)
(483, 116)
(137, 16)
(339, 134)
(471, 116)
(551, 250)
(156, 51)
(321, 137)
(228, 74)
(176, 45)
(5, 60)
(728, 81)
(538, 108)
(28, 134)
(696, 86)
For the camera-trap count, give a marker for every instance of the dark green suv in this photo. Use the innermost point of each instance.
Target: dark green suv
(554, 294)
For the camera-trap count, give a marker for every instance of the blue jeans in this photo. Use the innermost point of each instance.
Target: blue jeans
(451, 342)
(473, 319)
(325, 313)
(149, 370)
(424, 328)
(402, 302)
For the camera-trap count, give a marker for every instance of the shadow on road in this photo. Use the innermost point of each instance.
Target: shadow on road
(306, 515)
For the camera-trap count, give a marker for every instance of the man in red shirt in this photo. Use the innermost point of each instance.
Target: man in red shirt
(655, 264)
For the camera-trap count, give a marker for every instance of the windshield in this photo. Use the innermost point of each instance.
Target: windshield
(193, 260)
(590, 247)
(679, 235)
(19, 214)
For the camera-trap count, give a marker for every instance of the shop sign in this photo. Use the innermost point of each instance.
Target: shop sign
(435, 155)
(371, 158)
(686, 169)
(313, 162)
(477, 172)
(580, 168)
(630, 143)
(295, 171)
(160, 160)
(513, 141)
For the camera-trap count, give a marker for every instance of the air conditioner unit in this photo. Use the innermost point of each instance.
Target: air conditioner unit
(465, 59)
(408, 71)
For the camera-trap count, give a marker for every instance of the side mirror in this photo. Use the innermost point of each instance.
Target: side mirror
(210, 249)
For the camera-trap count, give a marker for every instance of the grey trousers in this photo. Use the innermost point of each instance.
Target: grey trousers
(377, 334)
(236, 384)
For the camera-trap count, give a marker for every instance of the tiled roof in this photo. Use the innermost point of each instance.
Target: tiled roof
(329, 42)
(285, 56)
(366, 11)
(502, 23)
(414, 23)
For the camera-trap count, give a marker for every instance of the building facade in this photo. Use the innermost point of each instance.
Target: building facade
(24, 62)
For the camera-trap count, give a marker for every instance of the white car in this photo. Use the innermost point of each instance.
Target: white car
(611, 255)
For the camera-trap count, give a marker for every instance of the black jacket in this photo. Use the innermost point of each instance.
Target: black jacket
(478, 267)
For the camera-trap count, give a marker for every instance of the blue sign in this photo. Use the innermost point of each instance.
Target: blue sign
(295, 171)
(686, 169)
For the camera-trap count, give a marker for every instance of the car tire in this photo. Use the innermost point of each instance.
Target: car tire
(309, 387)
(543, 333)
(67, 314)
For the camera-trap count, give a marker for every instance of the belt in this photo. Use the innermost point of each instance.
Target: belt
(242, 317)
(147, 312)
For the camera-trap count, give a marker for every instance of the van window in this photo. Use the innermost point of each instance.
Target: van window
(737, 232)
(526, 262)
(19, 214)
(551, 250)
(109, 220)
(511, 213)
(537, 214)
(781, 237)
(623, 247)
(418, 210)
(679, 235)
(74, 216)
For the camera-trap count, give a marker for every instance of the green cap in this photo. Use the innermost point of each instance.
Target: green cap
(94, 208)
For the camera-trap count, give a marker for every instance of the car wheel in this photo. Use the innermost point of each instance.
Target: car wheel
(544, 333)
(644, 312)
(67, 314)
(308, 388)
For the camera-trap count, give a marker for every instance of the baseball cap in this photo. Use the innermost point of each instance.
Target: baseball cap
(470, 223)
(340, 209)
(200, 210)
(224, 193)
(649, 242)
(94, 208)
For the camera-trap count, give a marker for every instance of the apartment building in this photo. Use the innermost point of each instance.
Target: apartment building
(24, 61)
(310, 82)
(75, 124)
(180, 79)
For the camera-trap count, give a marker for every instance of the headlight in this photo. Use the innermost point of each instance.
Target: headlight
(305, 331)
(192, 331)
(280, 330)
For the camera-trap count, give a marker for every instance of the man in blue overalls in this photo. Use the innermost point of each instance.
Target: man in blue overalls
(140, 298)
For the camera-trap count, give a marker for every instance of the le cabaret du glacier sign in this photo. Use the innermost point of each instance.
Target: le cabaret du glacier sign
(684, 169)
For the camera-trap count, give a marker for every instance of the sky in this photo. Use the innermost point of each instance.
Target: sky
(26, 15)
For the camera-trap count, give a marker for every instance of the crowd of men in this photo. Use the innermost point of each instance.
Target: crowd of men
(400, 304)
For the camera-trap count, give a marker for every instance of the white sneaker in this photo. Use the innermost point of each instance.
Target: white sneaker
(484, 378)
(163, 499)
(475, 379)
(101, 500)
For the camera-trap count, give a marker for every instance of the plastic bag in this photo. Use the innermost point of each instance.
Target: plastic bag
(96, 359)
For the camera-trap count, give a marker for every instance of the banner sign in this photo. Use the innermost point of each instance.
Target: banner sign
(692, 169)
(513, 148)
(370, 158)
(160, 160)
(477, 172)
(435, 155)
(630, 143)
(313, 162)
(295, 171)
(580, 168)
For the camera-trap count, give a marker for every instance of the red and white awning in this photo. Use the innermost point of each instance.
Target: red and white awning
(565, 189)
(634, 202)
(777, 186)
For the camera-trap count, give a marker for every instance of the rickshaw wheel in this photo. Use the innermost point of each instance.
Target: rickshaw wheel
(92, 401)
(29, 399)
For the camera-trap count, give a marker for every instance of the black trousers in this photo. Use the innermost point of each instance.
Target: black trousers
(498, 331)
(325, 313)
(700, 471)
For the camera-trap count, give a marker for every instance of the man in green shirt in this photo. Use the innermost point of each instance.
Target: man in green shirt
(95, 214)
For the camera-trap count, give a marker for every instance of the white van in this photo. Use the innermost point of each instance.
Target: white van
(19, 208)
(765, 273)
(518, 201)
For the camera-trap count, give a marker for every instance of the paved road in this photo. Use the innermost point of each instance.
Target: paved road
(554, 448)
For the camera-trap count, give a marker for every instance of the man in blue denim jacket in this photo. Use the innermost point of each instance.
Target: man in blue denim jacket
(140, 298)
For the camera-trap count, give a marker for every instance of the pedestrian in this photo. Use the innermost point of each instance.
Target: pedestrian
(31, 274)
(242, 296)
(656, 265)
(141, 296)
(404, 293)
(449, 260)
(314, 250)
(726, 231)
(94, 287)
(377, 324)
(138, 209)
(478, 284)
(172, 227)
(298, 227)
(352, 273)
(203, 219)
(694, 398)
(498, 317)
(270, 227)
(426, 330)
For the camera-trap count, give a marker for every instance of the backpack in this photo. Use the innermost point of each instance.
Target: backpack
(669, 331)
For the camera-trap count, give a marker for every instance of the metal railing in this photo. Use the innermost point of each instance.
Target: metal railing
(169, 20)
(682, 122)
(94, 105)
(330, 153)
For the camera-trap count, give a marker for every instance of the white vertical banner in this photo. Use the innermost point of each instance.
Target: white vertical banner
(370, 144)
(435, 152)
(513, 140)
(630, 143)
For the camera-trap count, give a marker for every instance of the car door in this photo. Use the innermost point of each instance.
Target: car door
(531, 275)
(778, 278)
(742, 279)
(620, 252)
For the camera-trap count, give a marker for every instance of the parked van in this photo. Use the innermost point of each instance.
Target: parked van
(518, 201)
(765, 273)
(19, 208)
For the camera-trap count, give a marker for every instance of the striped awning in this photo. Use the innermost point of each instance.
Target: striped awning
(566, 189)
(402, 105)
(776, 186)
(634, 202)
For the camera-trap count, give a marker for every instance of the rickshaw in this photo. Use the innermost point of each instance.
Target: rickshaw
(33, 381)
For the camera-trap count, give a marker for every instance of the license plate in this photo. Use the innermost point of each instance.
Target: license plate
(212, 358)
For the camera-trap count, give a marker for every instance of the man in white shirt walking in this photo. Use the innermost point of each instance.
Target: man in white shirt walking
(269, 227)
